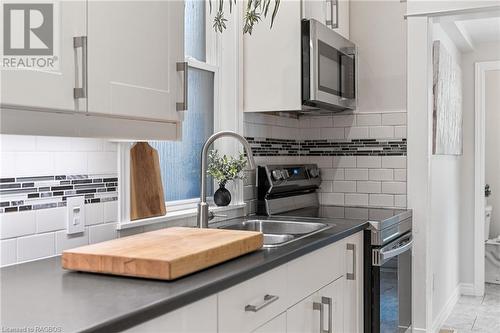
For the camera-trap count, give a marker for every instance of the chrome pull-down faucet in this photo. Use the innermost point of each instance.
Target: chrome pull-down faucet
(203, 212)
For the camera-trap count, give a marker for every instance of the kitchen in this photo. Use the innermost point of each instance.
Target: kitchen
(338, 162)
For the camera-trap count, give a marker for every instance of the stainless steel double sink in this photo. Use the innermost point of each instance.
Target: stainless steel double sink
(277, 232)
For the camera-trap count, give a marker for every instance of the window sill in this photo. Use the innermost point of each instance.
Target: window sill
(175, 215)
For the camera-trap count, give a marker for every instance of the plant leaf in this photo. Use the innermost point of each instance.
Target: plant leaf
(275, 11)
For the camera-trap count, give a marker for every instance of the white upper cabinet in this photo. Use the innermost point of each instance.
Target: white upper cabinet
(123, 79)
(332, 13)
(133, 47)
(271, 62)
(50, 88)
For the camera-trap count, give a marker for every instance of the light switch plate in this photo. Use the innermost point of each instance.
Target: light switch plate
(75, 222)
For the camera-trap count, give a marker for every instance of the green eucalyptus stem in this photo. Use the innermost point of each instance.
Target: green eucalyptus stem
(254, 12)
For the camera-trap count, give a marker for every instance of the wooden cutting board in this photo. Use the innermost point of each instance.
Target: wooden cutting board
(146, 189)
(164, 254)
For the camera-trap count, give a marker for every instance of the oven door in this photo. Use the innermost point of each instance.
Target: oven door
(391, 287)
(331, 69)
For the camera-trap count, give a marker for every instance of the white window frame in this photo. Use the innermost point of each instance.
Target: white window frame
(214, 58)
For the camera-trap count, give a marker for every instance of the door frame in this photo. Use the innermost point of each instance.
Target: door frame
(479, 171)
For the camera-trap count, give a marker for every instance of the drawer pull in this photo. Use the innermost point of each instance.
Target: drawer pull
(352, 276)
(268, 299)
(321, 308)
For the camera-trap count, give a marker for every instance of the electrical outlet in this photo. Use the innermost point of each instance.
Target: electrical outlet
(76, 215)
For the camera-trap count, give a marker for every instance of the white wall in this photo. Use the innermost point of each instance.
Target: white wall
(482, 52)
(492, 148)
(445, 213)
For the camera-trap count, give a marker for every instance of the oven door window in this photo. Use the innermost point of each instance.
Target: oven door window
(335, 71)
(395, 294)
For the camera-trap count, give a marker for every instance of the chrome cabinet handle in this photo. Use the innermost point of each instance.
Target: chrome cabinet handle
(81, 42)
(268, 299)
(183, 67)
(352, 276)
(330, 22)
(321, 308)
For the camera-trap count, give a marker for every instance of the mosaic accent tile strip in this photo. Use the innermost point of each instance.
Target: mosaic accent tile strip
(354, 147)
(42, 192)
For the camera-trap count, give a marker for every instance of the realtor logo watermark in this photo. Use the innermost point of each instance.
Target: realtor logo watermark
(28, 36)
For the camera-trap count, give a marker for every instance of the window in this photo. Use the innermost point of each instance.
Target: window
(180, 160)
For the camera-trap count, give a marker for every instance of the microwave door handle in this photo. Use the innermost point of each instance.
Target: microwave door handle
(386, 255)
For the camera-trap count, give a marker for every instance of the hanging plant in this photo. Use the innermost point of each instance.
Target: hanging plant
(254, 12)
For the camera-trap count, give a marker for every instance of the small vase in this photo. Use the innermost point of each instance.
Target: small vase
(222, 196)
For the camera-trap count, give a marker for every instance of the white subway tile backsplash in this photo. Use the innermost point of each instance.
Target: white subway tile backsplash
(8, 251)
(326, 186)
(51, 219)
(400, 174)
(110, 211)
(36, 246)
(369, 119)
(344, 161)
(400, 201)
(53, 143)
(321, 161)
(381, 132)
(331, 198)
(64, 241)
(344, 186)
(102, 162)
(249, 192)
(70, 163)
(332, 133)
(356, 132)
(398, 118)
(381, 200)
(356, 213)
(317, 122)
(94, 214)
(368, 161)
(381, 174)
(8, 164)
(344, 120)
(394, 162)
(310, 133)
(332, 174)
(12, 143)
(356, 174)
(400, 131)
(356, 199)
(394, 187)
(102, 232)
(34, 163)
(368, 187)
(17, 224)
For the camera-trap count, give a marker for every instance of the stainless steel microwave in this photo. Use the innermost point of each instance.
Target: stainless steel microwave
(328, 69)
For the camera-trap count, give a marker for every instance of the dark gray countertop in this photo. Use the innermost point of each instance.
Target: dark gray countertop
(41, 293)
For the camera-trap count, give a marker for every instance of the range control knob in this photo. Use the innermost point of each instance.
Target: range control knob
(277, 175)
(314, 172)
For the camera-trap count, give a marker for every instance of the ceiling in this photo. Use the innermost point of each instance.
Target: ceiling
(484, 30)
(467, 31)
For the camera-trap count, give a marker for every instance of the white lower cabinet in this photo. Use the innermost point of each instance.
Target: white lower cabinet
(323, 311)
(200, 316)
(319, 292)
(275, 325)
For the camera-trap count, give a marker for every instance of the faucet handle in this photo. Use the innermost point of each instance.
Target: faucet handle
(212, 215)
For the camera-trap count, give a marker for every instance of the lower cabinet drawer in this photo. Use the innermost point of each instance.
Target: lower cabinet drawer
(248, 305)
(311, 272)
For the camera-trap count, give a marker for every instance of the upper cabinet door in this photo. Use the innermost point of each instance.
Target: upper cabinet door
(133, 50)
(332, 13)
(45, 87)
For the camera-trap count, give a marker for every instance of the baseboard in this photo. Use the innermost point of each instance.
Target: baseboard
(446, 310)
(467, 289)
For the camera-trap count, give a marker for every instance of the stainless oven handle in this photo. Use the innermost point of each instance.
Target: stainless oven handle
(385, 255)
